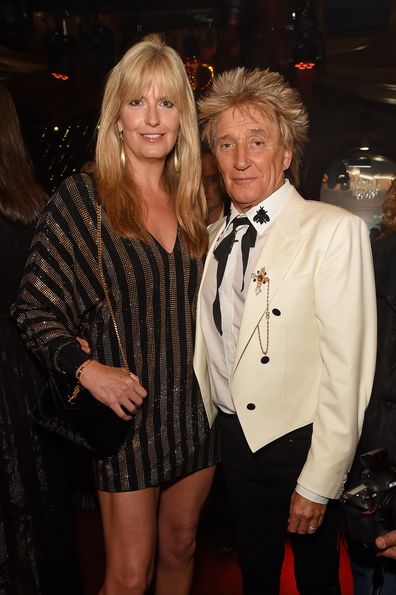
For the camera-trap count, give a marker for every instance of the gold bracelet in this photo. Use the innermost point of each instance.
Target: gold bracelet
(82, 368)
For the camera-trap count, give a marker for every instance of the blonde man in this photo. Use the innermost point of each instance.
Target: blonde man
(285, 342)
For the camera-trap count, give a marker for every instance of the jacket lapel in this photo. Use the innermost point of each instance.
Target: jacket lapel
(279, 251)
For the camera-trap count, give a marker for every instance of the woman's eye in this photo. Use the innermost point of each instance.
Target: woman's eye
(167, 103)
(135, 102)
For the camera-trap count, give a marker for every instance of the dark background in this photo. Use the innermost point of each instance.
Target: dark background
(350, 93)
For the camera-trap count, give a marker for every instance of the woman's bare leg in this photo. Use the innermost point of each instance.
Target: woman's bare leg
(180, 507)
(129, 527)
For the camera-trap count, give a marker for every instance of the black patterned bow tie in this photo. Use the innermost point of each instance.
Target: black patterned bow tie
(222, 252)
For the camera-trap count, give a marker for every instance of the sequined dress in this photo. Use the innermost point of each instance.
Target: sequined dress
(37, 555)
(153, 295)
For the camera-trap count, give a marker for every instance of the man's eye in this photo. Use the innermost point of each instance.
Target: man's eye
(225, 146)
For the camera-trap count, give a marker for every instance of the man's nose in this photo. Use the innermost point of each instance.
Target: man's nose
(241, 157)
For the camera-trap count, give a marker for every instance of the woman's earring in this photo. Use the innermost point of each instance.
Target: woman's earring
(122, 151)
(176, 162)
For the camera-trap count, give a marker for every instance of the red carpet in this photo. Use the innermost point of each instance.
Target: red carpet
(218, 573)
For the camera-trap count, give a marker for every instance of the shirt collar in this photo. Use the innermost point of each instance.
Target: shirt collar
(272, 205)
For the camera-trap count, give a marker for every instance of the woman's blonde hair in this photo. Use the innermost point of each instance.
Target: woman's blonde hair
(266, 91)
(389, 207)
(151, 59)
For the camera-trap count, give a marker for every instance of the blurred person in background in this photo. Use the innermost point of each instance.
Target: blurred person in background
(217, 201)
(37, 551)
(379, 428)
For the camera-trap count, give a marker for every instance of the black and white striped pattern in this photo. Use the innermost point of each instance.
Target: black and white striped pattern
(153, 294)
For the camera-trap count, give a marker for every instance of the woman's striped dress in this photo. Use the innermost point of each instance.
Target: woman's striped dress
(153, 295)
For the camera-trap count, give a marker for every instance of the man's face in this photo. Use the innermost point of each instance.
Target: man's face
(251, 156)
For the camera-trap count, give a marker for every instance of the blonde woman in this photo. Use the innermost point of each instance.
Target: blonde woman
(148, 181)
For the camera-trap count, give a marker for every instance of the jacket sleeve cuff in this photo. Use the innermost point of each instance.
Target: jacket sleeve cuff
(69, 358)
(310, 495)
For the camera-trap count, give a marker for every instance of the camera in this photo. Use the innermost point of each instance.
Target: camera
(370, 507)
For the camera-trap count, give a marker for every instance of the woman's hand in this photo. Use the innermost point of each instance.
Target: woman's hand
(115, 387)
(84, 345)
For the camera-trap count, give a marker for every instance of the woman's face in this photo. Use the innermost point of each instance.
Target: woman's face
(150, 125)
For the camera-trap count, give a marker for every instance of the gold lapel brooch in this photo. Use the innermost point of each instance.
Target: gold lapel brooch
(260, 278)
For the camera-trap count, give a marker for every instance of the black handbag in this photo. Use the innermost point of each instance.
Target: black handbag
(84, 421)
(67, 409)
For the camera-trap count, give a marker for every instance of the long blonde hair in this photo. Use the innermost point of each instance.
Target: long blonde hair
(129, 79)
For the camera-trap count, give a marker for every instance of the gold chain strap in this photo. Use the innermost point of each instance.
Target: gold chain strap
(71, 398)
(267, 317)
(104, 284)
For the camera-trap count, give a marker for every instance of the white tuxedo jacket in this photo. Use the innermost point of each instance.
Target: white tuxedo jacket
(322, 346)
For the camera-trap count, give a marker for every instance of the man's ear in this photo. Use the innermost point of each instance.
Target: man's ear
(287, 158)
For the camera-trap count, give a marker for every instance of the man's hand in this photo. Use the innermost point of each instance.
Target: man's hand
(305, 516)
(387, 543)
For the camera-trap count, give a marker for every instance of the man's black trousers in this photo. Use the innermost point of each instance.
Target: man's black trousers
(260, 486)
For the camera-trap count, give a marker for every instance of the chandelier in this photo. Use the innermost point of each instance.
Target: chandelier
(363, 187)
